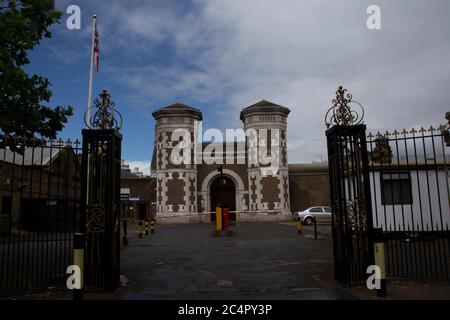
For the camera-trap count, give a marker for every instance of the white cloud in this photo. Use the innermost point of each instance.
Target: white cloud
(143, 166)
(229, 54)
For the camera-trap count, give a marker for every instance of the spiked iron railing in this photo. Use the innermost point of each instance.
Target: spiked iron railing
(410, 187)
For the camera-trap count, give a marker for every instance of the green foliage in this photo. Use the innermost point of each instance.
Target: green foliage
(23, 98)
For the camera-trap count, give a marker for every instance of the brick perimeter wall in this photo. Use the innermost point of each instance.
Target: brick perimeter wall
(308, 189)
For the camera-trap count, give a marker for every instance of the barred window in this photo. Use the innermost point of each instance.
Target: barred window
(396, 188)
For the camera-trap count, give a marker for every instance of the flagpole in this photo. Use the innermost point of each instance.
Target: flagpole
(88, 120)
(91, 72)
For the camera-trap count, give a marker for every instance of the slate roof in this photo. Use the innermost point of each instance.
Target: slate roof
(177, 108)
(264, 106)
(36, 156)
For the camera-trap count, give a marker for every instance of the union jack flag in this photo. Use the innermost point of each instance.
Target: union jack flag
(96, 48)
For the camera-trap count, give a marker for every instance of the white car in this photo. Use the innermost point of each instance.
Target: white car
(319, 213)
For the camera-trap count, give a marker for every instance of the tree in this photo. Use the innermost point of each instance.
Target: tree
(24, 99)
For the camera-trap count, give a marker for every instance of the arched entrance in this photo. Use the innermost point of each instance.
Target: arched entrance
(223, 190)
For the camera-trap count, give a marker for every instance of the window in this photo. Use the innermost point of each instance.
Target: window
(327, 209)
(395, 188)
(316, 209)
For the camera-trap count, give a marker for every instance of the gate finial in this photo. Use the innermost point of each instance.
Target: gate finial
(105, 116)
(340, 112)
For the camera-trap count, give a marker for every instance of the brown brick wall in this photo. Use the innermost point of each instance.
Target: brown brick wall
(145, 187)
(270, 191)
(141, 187)
(61, 181)
(308, 189)
(175, 193)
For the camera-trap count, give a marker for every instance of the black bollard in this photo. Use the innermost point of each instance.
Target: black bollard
(315, 229)
(125, 233)
(141, 231)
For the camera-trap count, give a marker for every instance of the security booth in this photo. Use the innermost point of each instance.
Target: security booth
(142, 210)
(125, 206)
(153, 211)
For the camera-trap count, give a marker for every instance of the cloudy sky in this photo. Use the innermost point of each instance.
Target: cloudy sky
(223, 55)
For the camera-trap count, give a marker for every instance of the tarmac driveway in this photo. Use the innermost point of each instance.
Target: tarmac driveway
(260, 261)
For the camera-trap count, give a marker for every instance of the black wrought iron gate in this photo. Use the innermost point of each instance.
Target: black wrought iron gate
(350, 193)
(100, 197)
(40, 183)
(50, 190)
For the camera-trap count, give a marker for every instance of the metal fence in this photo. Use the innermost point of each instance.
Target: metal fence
(411, 200)
(40, 211)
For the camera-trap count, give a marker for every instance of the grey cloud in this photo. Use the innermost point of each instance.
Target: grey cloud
(296, 53)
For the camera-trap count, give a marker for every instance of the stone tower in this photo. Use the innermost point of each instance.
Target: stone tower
(265, 124)
(176, 172)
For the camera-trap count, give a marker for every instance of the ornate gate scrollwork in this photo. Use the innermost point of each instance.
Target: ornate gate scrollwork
(95, 217)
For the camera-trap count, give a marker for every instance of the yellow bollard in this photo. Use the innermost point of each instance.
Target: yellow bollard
(298, 226)
(152, 226)
(146, 227)
(78, 260)
(218, 219)
(380, 261)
